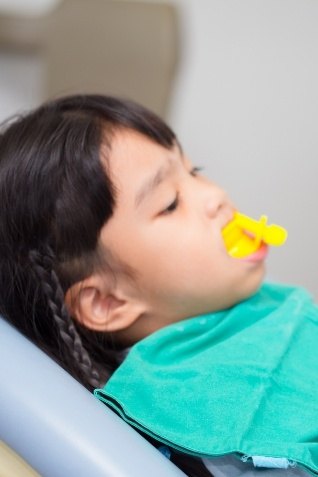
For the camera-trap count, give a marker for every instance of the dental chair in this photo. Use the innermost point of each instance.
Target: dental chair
(51, 426)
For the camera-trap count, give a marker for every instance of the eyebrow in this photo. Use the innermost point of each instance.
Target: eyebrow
(153, 182)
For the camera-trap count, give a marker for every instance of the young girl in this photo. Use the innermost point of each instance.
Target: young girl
(108, 234)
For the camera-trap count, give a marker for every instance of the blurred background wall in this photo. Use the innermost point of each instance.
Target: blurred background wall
(240, 89)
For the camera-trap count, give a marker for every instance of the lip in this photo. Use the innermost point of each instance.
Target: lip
(258, 256)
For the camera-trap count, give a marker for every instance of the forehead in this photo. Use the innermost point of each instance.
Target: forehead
(133, 157)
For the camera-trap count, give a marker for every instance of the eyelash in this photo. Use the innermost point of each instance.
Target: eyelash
(195, 170)
(174, 205)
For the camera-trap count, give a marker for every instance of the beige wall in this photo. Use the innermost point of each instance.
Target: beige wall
(245, 107)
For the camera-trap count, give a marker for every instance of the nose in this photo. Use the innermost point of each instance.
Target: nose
(215, 200)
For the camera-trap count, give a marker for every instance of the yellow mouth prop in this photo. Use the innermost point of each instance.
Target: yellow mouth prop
(243, 236)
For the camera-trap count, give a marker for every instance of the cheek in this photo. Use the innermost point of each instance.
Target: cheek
(183, 256)
(184, 261)
(185, 244)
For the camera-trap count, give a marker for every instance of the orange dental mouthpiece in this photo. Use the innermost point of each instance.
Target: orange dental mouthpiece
(244, 236)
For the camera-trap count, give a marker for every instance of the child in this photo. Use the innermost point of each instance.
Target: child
(108, 234)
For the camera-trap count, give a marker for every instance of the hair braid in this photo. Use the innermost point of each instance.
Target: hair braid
(73, 350)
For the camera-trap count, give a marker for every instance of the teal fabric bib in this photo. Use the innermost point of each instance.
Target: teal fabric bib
(240, 381)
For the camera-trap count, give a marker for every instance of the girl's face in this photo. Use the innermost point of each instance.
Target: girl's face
(167, 227)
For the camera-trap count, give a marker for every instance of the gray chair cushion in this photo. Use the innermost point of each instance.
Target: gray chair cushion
(58, 427)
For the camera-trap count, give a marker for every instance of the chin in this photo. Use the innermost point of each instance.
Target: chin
(254, 285)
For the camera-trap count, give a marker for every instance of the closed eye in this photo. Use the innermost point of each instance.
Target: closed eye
(172, 207)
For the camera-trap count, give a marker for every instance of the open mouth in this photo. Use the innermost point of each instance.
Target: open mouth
(248, 239)
(243, 244)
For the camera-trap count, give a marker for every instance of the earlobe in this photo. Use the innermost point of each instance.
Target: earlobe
(98, 308)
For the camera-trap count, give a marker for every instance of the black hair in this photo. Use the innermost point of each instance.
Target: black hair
(55, 196)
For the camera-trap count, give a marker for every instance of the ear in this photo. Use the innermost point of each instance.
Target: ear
(95, 305)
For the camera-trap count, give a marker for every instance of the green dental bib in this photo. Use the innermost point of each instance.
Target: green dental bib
(241, 381)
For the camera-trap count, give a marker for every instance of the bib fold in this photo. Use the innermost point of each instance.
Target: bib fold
(242, 380)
